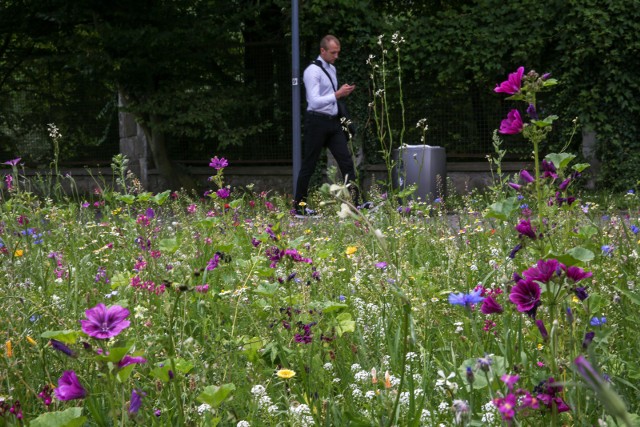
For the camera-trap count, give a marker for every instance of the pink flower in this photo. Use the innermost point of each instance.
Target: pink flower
(218, 163)
(103, 323)
(69, 387)
(512, 84)
(512, 124)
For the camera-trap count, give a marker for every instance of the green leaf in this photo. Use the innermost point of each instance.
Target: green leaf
(579, 167)
(144, 197)
(633, 297)
(548, 121)
(502, 209)
(214, 395)
(160, 198)
(169, 245)
(587, 232)
(480, 378)
(576, 256)
(560, 160)
(67, 336)
(116, 353)
(162, 371)
(330, 306)
(119, 279)
(126, 198)
(345, 324)
(550, 82)
(267, 289)
(236, 203)
(71, 417)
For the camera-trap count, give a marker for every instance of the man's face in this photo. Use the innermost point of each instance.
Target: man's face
(330, 54)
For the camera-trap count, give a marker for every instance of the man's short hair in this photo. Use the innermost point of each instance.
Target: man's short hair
(324, 43)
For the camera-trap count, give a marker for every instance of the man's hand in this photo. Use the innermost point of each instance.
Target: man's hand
(344, 90)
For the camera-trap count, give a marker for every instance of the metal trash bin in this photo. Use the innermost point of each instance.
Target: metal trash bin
(424, 166)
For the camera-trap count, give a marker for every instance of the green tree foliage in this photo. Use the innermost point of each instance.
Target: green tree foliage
(194, 70)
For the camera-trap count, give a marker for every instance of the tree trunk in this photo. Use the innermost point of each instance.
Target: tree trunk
(170, 176)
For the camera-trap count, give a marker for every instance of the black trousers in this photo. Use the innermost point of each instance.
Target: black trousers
(323, 131)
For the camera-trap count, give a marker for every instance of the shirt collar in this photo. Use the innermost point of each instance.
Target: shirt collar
(324, 63)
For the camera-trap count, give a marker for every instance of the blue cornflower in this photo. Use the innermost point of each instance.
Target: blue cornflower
(635, 229)
(631, 192)
(466, 299)
(607, 249)
(524, 206)
(598, 321)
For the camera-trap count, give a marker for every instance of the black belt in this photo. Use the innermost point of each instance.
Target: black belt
(323, 115)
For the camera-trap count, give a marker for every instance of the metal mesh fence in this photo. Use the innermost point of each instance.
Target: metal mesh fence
(89, 124)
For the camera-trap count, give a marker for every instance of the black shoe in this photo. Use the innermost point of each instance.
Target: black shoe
(366, 205)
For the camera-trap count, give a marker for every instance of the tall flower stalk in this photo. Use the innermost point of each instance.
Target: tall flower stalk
(380, 105)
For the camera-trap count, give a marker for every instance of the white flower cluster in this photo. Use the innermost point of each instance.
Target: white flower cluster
(302, 413)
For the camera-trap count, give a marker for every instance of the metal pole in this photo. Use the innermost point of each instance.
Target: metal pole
(295, 93)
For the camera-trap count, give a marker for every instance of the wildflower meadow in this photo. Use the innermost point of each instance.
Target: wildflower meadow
(125, 307)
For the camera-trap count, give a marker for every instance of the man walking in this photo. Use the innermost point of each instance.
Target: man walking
(322, 127)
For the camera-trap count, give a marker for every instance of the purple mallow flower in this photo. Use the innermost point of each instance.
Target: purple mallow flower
(548, 170)
(526, 296)
(62, 348)
(136, 400)
(526, 176)
(512, 124)
(13, 162)
(491, 306)
(103, 323)
(218, 163)
(576, 273)
(512, 84)
(542, 329)
(131, 360)
(588, 338)
(543, 271)
(466, 299)
(531, 111)
(223, 193)
(526, 229)
(381, 265)
(69, 387)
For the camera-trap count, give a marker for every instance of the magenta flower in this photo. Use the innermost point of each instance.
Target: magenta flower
(512, 124)
(62, 347)
(510, 380)
(381, 265)
(69, 387)
(526, 176)
(548, 169)
(525, 228)
(223, 193)
(543, 271)
(549, 395)
(576, 273)
(542, 329)
(526, 296)
(491, 306)
(515, 186)
(13, 162)
(218, 163)
(136, 401)
(512, 84)
(131, 360)
(103, 323)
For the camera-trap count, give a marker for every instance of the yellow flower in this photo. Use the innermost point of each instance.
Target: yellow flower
(540, 346)
(31, 340)
(351, 250)
(116, 211)
(18, 252)
(9, 348)
(303, 204)
(286, 373)
(575, 299)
